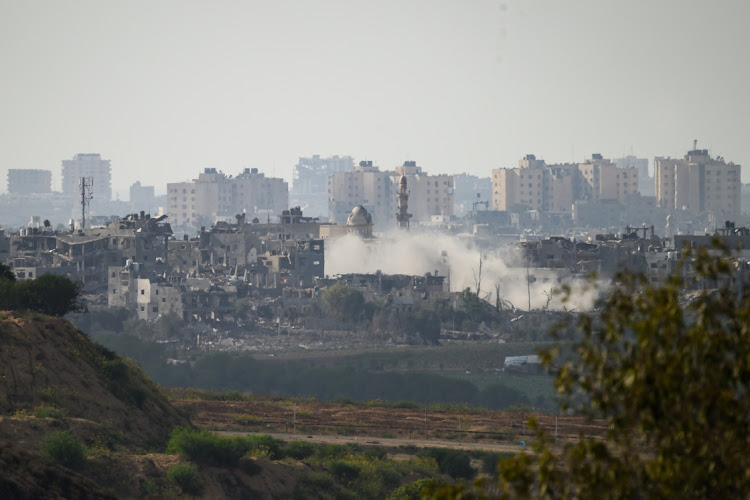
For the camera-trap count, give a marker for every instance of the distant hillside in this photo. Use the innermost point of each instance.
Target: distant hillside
(46, 361)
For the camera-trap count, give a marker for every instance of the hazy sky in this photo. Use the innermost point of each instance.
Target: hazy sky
(166, 88)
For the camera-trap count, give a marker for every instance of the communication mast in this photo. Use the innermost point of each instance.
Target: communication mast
(87, 185)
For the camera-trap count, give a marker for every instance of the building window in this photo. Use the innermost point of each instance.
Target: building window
(143, 292)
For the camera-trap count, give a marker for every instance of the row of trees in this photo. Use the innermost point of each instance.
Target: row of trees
(51, 294)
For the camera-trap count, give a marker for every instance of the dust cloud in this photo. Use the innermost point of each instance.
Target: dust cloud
(420, 253)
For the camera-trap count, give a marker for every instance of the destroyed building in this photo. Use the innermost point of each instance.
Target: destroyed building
(400, 289)
(605, 255)
(86, 256)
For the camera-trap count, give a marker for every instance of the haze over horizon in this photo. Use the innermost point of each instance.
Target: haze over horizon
(164, 89)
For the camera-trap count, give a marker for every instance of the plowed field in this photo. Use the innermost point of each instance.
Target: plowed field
(319, 418)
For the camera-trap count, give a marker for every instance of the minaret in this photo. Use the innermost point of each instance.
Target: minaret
(403, 205)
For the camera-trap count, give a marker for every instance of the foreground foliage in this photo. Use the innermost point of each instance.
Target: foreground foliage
(336, 471)
(671, 378)
(63, 447)
(186, 477)
(52, 294)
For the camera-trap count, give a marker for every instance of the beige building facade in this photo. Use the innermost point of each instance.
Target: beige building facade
(365, 185)
(215, 196)
(377, 191)
(698, 183)
(428, 194)
(554, 188)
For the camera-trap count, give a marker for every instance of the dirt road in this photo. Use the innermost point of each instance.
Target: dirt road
(386, 442)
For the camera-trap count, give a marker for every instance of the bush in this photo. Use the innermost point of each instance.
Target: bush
(490, 460)
(52, 294)
(328, 451)
(206, 448)
(186, 477)
(391, 477)
(344, 471)
(411, 491)
(45, 411)
(455, 463)
(268, 446)
(320, 480)
(63, 448)
(299, 450)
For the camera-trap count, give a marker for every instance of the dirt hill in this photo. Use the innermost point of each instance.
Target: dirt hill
(46, 364)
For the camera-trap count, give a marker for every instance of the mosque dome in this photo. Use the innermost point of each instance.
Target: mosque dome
(359, 217)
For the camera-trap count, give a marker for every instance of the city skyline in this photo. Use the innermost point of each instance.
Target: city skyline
(165, 90)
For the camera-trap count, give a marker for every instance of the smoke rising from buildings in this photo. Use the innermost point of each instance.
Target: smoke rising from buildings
(420, 253)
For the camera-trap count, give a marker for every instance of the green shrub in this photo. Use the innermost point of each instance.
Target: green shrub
(45, 411)
(320, 480)
(299, 450)
(391, 477)
(344, 470)
(264, 442)
(186, 477)
(63, 447)
(205, 448)
(377, 452)
(328, 451)
(490, 460)
(455, 463)
(411, 491)
(233, 396)
(52, 294)
(149, 487)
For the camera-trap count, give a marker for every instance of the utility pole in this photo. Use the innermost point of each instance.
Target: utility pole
(87, 185)
(425, 421)
(294, 420)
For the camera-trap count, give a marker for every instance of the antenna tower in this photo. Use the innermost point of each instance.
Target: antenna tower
(87, 185)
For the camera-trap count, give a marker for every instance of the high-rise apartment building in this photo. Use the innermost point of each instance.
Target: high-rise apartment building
(29, 181)
(470, 190)
(428, 194)
(554, 188)
(601, 179)
(535, 185)
(698, 183)
(365, 185)
(214, 196)
(142, 197)
(310, 185)
(645, 180)
(377, 191)
(88, 165)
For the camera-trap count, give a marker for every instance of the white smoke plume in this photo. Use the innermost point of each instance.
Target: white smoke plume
(415, 253)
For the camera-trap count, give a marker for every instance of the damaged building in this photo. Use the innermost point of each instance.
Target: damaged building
(86, 256)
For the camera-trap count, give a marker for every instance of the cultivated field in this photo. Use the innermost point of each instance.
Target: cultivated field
(372, 421)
